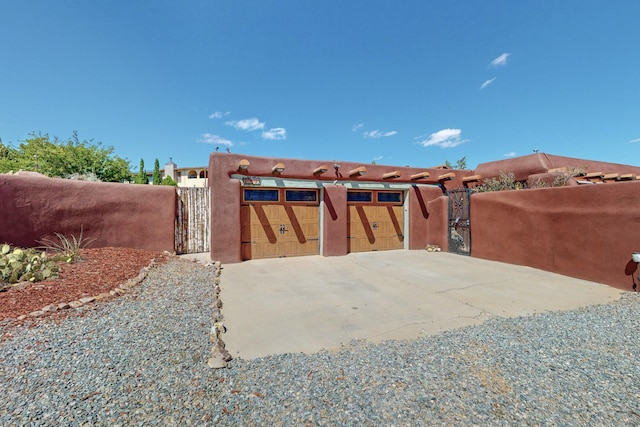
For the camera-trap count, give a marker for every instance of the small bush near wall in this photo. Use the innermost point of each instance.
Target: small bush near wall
(560, 178)
(506, 181)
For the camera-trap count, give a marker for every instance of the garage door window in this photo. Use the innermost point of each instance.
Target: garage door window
(360, 196)
(394, 197)
(304, 196)
(253, 195)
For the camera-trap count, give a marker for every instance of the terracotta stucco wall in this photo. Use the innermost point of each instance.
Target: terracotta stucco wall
(225, 199)
(125, 215)
(438, 222)
(225, 212)
(587, 232)
(335, 220)
(425, 222)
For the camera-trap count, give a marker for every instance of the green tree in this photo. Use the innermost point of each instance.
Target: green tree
(141, 177)
(57, 158)
(461, 164)
(7, 155)
(167, 180)
(156, 179)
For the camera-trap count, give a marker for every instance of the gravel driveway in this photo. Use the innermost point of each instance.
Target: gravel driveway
(141, 360)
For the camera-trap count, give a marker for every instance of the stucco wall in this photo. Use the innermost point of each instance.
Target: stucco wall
(136, 216)
(587, 232)
(425, 217)
(438, 222)
(335, 220)
(225, 199)
(225, 213)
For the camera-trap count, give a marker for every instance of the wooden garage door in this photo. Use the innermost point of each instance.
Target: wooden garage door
(279, 223)
(376, 221)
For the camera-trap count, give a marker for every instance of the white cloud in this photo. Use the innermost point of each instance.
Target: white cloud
(208, 138)
(444, 138)
(219, 114)
(500, 60)
(511, 154)
(356, 127)
(275, 133)
(375, 159)
(633, 141)
(246, 124)
(487, 83)
(378, 134)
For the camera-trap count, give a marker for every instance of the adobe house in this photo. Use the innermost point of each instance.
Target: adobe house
(264, 207)
(192, 176)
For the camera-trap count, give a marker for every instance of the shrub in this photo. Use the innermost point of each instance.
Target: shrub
(66, 248)
(561, 178)
(506, 181)
(20, 265)
(90, 176)
(539, 183)
(167, 180)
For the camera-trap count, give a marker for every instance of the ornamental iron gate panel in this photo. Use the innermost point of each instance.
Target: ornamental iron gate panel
(459, 224)
(192, 220)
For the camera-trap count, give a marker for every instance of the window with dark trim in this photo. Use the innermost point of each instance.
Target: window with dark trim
(360, 196)
(254, 195)
(301, 196)
(390, 197)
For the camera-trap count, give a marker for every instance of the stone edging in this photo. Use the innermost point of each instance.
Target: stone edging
(218, 356)
(120, 290)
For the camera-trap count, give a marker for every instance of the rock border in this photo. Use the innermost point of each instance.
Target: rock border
(218, 356)
(117, 291)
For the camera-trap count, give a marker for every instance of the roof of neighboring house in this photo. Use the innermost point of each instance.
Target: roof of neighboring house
(537, 163)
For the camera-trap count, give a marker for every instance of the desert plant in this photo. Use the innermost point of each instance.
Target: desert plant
(561, 178)
(24, 265)
(506, 181)
(539, 183)
(66, 248)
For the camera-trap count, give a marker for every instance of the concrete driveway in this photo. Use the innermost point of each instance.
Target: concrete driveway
(305, 304)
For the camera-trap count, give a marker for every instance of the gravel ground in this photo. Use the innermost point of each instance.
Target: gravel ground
(141, 360)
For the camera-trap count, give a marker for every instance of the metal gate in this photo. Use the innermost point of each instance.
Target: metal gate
(459, 223)
(192, 221)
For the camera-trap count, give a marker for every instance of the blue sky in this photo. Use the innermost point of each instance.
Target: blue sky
(399, 82)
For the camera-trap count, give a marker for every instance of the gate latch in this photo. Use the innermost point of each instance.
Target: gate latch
(282, 229)
(374, 225)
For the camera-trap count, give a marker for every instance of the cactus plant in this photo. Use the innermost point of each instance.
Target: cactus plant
(24, 265)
